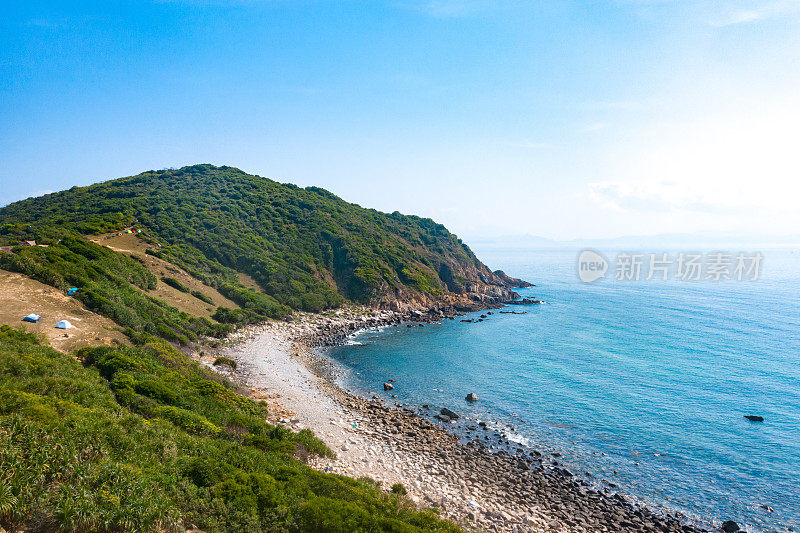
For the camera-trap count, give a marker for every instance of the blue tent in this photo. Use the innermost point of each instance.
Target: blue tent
(33, 317)
(72, 291)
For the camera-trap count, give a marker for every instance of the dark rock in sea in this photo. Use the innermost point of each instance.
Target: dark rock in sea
(447, 412)
(443, 418)
(729, 526)
(525, 301)
(391, 381)
(472, 397)
(426, 406)
(387, 386)
(754, 418)
(767, 508)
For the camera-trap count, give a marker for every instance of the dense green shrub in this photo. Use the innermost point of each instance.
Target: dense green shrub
(398, 488)
(172, 282)
(101, 447)
(227, 361)
(225, 315)
(202, 297)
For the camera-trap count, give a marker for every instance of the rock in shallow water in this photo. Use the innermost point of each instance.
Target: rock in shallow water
(387, 386)
(754, 418)
(472, 397)
(447, 412)
(729, 526)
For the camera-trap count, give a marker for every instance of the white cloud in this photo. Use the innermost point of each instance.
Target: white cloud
(660, 196)
(738, 168)
(754, 13)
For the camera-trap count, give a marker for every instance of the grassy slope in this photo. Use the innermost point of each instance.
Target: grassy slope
(142, 439)
(20, 295)
(111, 284)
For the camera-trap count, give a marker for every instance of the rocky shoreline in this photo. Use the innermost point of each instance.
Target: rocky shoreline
(485, 483)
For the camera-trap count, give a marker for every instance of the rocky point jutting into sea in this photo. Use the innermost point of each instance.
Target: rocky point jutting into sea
(484, 483)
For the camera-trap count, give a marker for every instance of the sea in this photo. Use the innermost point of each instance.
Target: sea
(640, 386)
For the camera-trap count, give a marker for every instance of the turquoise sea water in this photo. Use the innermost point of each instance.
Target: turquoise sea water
(641, 384)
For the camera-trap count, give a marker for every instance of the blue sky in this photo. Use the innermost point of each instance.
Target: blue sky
(564, 119)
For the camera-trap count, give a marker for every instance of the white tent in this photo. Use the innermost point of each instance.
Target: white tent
(64, 324)
(33, 317)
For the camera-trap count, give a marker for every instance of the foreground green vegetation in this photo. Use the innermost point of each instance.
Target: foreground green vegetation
(306, 248)
(143, 439)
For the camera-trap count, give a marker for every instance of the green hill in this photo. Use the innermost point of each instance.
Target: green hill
(306, 248)
(140, 438)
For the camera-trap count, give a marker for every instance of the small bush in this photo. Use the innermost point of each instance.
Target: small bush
(187, 420)
(225, 361)
(174, 283)
(225, 315)
(202, 297)
(398, 488)
(157, 390)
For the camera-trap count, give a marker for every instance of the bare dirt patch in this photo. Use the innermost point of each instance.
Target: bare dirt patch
(20, 296)
(130, 244)
(248, 282)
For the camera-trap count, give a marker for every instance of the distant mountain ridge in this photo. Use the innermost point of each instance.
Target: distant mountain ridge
(634, 242)
(305, 247)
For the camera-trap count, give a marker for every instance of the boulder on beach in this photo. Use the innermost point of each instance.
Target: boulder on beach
(387, 386)
(754, 418)
(729, 526)
(472, 397)
(447, 412)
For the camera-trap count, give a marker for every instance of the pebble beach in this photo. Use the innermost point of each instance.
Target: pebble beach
(482, 484)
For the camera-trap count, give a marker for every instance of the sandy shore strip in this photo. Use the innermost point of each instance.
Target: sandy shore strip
(469, 483)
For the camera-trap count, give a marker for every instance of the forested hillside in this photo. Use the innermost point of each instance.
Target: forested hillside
(306, 248)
